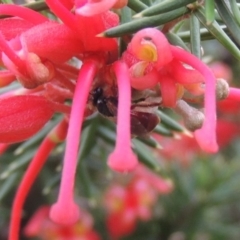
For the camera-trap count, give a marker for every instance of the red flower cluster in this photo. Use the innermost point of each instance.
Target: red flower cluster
(126, 205)
(42, 227)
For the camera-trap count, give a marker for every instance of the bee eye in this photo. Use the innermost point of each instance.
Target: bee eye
(99, 90)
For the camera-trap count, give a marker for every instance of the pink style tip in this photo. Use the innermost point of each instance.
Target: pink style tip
(64, 215)
(122, 161)
(205, 140)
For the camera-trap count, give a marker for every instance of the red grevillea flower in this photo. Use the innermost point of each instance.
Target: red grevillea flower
(28, 57)
(36, 55)
(42, 227)
(31, 52)
(126, 205)
(116, 159)
(151, 46)
(83, 28)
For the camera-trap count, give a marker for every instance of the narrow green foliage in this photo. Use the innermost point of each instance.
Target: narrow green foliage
(204, 33)
(235, 11)
(126, 16)
(86, 181)
(138, 24)
(218, 33)
(170, 123)
(147, 2)
(162, 130)
(163, 7)
(107, 135)
(228, 19)
(37, 6)
(136, 5)
(7, 1)
(18, 163)
(150, 141)
(51, 183)
(145, 156)
(209, 11)
(226, 191)
(88, 138)
(195, 38)
(174, 39)
(8, 184)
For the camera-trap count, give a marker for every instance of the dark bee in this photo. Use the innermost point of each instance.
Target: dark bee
(142, 120)
(107, 106)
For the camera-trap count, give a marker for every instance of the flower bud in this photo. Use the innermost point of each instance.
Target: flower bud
(23, 116)
(193, 118)
(222, 89)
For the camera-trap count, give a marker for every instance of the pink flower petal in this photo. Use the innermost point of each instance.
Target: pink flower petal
(151, 37)
(92, 8)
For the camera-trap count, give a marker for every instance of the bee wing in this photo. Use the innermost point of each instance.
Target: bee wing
(143, 122)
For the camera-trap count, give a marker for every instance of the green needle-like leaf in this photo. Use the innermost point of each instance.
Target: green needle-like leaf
(150, 141)
(37, 6)
(209, 11)
(145, 156)
(126, 16)
(205, 34)
(235, 11)
(51, 183)
(86, 181)
(107, 135)
(195, 36)
(218, 33)
(147, 2)
(164, 7)
(88, 138)
(18, 163)
(174, 39)
(228, 19)
(170, 123)
(8, 184)
(160, 129)
(138, 24)
(136, 5)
